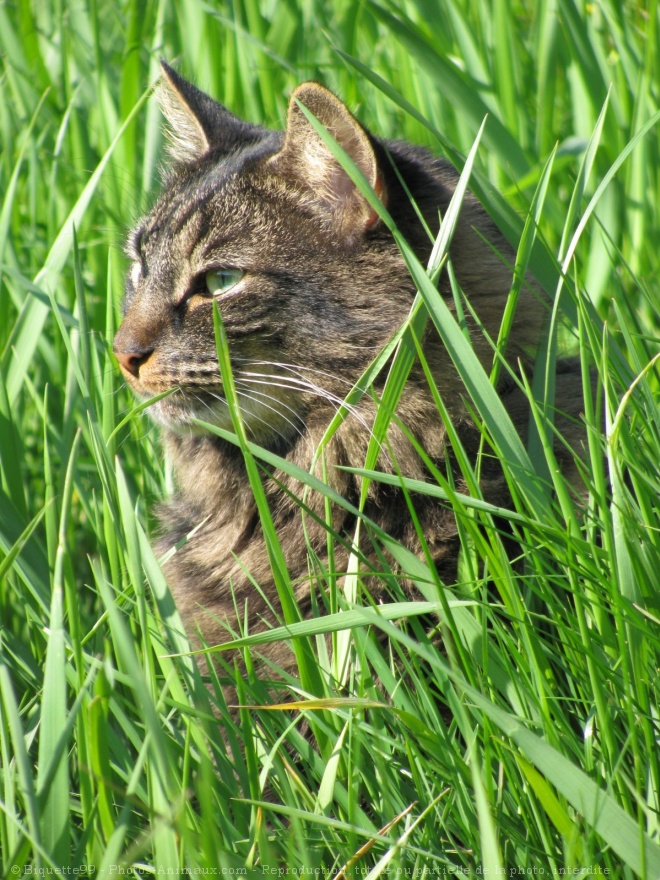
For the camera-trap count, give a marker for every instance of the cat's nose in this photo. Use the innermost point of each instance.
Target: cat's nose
(130, 361)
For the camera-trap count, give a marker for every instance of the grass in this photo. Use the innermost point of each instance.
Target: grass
(526, 738)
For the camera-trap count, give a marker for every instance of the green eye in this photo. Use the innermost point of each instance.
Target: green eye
(221, 280)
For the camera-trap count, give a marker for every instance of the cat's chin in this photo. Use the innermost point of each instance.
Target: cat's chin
(184, 420)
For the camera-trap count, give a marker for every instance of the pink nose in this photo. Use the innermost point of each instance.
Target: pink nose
(131, 361)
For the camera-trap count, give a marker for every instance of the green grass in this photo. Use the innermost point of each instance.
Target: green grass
(525, 738)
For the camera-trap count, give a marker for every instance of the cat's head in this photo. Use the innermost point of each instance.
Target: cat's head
(270, 227)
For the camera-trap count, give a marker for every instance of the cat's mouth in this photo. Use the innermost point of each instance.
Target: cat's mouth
(274, 399)
(175, 407)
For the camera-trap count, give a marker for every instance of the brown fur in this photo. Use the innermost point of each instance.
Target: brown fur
(324, 289)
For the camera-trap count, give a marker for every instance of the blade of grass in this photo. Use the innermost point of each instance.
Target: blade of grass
(33, 316)
(304, 656)
(54, 818)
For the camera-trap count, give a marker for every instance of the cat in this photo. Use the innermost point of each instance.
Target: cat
(310, 285)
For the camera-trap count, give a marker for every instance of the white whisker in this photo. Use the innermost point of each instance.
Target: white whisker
(301, 370)
(251, 416)
(284, 382)
(199, 399)
(253, 391)
(291, 383)
(250, 394)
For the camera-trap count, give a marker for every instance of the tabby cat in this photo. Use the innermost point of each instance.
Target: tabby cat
(310, 285)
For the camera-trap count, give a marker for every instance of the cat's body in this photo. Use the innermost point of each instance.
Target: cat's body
(310, 285)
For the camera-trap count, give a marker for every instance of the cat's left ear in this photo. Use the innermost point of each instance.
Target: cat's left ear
(305, 156)
(197, 124)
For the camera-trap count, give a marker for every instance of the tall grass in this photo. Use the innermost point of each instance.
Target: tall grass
(524, 740)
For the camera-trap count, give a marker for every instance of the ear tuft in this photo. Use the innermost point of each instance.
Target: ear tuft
(306, 156)
(198, 124)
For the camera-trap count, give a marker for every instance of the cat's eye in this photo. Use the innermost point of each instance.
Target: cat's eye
(221, 280)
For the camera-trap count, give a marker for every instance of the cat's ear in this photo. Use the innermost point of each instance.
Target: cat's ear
(306, 157)
(198, 124)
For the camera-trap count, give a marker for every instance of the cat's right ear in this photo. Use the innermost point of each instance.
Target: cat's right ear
(197, 124)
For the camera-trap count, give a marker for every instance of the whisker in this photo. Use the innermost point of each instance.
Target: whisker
(244, 385)
(205, 403)
(213, 411)
(291, 382)
(253, 392)
(251, 396)
(253, 416)
(338, 402)
(301, 370)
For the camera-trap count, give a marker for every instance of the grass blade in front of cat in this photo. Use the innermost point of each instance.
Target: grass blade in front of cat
(523, 700)
(460, 351)
(308, 670)
(470, 370)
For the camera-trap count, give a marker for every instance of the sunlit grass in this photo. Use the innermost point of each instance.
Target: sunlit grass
(509, 721)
